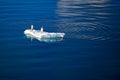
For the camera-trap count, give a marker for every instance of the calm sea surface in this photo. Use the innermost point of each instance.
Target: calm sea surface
(90, 49)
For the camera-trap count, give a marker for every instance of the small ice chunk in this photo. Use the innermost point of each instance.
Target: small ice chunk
(39, 34)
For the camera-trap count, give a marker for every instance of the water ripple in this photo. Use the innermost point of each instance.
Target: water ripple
(84, 19)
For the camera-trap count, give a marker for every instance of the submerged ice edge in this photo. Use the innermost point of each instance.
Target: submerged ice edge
(44, 39)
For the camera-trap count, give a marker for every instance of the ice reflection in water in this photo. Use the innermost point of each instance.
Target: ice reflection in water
(84, 19)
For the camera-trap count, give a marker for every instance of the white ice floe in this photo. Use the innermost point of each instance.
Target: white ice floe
(41, 35)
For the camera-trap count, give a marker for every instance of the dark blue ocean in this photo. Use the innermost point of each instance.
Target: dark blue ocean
(90, 49)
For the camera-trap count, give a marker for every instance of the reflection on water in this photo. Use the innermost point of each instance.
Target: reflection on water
(45, 39)
(84, 19)
(81, 56)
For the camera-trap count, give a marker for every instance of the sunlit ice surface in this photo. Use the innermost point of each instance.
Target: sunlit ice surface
(43, 36)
